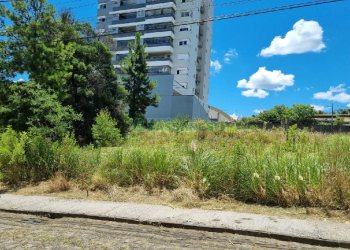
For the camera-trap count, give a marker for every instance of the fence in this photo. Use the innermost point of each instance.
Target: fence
(312, 128)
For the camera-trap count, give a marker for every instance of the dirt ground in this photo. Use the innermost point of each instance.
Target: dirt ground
(19, 231)
(182, 197)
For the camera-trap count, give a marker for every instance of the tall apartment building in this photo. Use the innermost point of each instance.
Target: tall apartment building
(178, 45)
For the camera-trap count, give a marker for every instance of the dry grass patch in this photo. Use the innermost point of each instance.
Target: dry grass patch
(58, 184)
(183, 197)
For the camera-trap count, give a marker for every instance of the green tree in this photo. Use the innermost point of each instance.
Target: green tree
(4, 73)
(300, 114)
(303, 115)
(344, 111)
(105, 131)
(30, 107)
(33, 44)
(278, 114)
(56, 55)
(93, 84)
(137, 82)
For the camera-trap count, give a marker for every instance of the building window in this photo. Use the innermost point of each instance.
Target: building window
(185, 14)
(183, 42)
(184, 28)
(101, 19)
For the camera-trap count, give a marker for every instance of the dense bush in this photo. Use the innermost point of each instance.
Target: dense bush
(30, 107)
(12, 156)
(105, 132)
(152, 168)
(33, 158)
(300, 114)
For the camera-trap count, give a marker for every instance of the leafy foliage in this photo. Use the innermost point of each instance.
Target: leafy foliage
(137, 82)
(105, 132)
(72, 75)
(300, 114)
(303, 115)
(30, 107)
(33, 44)
(93, 84)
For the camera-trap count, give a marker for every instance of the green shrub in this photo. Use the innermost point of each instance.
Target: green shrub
(41, 158)
(105, 131)
(12, 156)
(89, 162)
(231, 131)
(68, 158)
(151, 168)
(111, 169)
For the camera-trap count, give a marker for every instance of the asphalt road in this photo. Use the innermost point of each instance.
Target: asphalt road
(19, 231)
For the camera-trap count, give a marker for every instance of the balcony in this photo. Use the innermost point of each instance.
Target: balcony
(142, 32)
(159, 70)
(161, 41)
(127, 6)
(161, 16)
(151, 61)
(123, 45)
(125, 34)
(159, 27)
(159, 30)
(149, 2)
(128, 20)
(159, 59)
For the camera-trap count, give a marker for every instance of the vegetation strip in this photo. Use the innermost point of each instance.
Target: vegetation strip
(278, 167)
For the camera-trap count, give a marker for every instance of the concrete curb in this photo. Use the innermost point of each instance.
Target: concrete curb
(311, 232)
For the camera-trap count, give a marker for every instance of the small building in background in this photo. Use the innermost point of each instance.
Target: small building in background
(217, 115)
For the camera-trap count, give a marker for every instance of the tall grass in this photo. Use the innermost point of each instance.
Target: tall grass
(297, 168)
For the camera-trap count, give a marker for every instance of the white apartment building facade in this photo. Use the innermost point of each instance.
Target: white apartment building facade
(178, 39)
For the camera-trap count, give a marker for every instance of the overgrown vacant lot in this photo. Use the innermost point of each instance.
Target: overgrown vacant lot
(293, 168)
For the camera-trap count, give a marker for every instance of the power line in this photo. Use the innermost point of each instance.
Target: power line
(244, 14)
(225, 17)
(216, 5)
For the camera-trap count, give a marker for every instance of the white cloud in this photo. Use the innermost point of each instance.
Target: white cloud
(263, 81)
(348, 105)
(20, 80)
(234, 116)
(229, 55)
(216, 65)
(258, 93)
(318, 107)
(337, 94)
(306, 36)
(258, 111)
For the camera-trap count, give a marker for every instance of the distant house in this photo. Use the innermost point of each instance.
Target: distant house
(328, 118)
(218, 115)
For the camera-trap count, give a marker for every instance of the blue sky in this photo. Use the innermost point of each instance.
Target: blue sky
(315, 67)
(313, 71)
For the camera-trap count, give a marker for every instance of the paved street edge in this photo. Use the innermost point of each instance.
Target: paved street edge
(205, 220)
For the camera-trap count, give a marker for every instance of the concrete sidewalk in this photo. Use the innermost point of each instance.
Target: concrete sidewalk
(304, 231)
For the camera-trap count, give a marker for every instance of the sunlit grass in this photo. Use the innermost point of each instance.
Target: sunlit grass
(286, 168)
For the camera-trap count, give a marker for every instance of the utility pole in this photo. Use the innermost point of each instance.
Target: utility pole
(332, 116)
